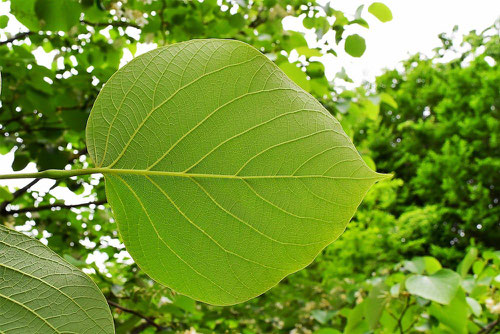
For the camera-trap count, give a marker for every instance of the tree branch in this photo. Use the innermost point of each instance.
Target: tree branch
(489, 327)
(15, 195)
(55, 205)
(114, 24)
(19, 192)
(149, 320)
(400, 318)
(21, 35)
(139, 329)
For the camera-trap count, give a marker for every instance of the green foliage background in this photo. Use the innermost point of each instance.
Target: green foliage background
(434, 124)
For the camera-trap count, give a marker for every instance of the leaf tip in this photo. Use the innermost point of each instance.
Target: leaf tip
(384, 176)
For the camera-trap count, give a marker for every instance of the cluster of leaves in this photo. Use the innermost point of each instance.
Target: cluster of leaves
(442, 142)
(434, 124)
(417, 295)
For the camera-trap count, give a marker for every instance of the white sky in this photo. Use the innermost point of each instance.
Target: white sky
(414, 28)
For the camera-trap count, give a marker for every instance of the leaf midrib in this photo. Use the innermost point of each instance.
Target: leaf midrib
(144, 172)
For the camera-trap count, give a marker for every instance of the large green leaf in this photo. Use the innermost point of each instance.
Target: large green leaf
(440, 287)
(223, 174)
(42, 293)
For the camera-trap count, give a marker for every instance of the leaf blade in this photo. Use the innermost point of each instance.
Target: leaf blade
(201, 177)
(440, 287)
(67, 300)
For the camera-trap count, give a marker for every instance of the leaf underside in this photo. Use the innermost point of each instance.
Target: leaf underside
(42, 293)
(224, 176)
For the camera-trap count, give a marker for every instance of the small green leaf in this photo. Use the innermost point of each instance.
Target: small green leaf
(5, 194)
(322, 316)
(380, 11)
(464, 266)
(355, 45)
(360, 22)
(474, 306)
(4, 20)
(305, 51)
(440, 287)
(42, 293)
(432, 265)
(389, 100)
(21, 160)
(359, 10)
(221, 190)
(395, 290)
(478, 267)
(419, 265)
(375, 303)
(309, 22)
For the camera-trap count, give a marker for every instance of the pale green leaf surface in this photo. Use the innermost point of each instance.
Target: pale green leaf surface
(419, 265)
(380, 11)
(440, 287)
(42, 293)
(224, 176)
(474, 306)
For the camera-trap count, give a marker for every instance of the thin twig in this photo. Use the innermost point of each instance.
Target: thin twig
(19, 192)
(15, 195)
(21, 35)
(489, 327)
(149, 320)
(114, 24)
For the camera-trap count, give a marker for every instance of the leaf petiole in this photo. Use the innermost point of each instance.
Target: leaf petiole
(52, 174)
